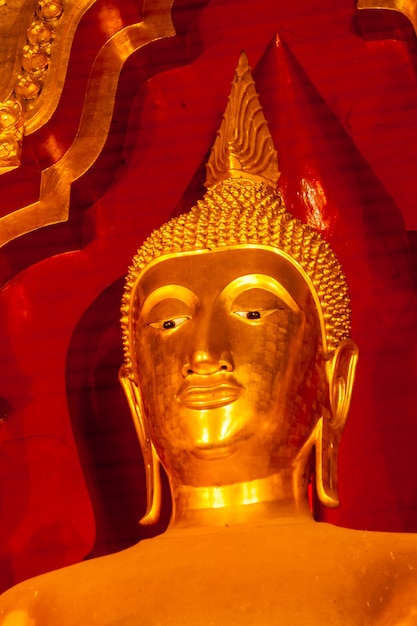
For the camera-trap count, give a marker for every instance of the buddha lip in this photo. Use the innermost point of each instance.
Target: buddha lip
(210, 396)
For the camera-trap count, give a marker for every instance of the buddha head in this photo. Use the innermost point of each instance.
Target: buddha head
(236, 321)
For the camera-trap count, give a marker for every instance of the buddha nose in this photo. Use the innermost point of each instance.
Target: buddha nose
(203, 362)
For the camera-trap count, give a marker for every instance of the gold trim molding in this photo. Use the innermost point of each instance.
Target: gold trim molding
(53, 204)
(406, 7)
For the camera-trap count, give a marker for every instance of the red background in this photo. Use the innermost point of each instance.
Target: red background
(339, 90)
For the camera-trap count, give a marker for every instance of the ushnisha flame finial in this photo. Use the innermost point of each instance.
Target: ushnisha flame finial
(243, 147)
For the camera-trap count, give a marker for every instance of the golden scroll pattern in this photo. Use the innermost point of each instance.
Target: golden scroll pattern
(52, 207)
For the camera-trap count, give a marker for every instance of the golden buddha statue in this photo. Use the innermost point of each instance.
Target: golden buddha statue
(238, 372)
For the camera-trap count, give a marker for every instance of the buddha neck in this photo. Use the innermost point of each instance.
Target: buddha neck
(273, 498)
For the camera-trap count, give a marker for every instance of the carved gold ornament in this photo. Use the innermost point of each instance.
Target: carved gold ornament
(35, 59)
(54, 194)
(11, 133)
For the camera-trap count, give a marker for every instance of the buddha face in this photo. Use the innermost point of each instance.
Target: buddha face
(228, 354)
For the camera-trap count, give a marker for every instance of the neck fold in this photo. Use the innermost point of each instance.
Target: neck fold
(276, 496)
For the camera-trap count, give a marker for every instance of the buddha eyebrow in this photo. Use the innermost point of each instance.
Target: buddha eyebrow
(168, 292)
(260, 281)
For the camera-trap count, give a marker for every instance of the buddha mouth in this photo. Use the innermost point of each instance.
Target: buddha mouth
(200, 397)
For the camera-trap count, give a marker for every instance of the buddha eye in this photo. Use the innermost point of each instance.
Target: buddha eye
(169, 324)
(254, 315)
(249, 315)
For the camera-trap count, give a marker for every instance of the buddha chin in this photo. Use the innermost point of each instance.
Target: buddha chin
(221, 439)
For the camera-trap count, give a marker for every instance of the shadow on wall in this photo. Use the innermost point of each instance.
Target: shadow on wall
(107, 444)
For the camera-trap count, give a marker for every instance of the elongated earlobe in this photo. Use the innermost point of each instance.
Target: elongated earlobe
(340, 372)
(150, 457)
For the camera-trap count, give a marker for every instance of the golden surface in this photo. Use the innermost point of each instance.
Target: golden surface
(297, 574)
(274, 347)
(249, 212)
(11, 134)
(225, 361)
(235, 388)
(242, 207)
(53, 204)
(26, 70)
(15, 17)
(406, 7)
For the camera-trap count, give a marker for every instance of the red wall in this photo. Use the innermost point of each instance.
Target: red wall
(339, 91)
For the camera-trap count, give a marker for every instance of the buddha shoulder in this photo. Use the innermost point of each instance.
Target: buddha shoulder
(325, 575)
(380, 572)
(93, 592)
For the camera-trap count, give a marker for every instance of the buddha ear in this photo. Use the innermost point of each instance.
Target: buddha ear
(340, 374)
(150, 457)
